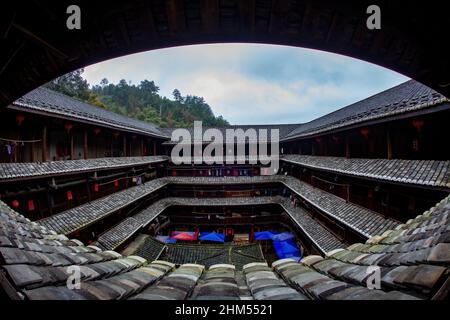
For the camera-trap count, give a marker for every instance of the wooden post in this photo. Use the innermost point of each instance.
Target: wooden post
(124, 146)
(313, 148)
(71, 146)
(142, 146)
(389, 144)
(299, 147)
(33, 148)
(154, 148)
(86, 150)
(44, 144)
(347, 147)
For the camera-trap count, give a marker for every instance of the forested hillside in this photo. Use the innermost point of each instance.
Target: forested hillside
(140, 101)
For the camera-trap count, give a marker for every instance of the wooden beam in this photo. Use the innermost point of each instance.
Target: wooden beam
(176, 16)
(210, 16)
(40, 41)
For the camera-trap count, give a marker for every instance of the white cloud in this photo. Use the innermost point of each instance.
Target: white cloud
(249, 83)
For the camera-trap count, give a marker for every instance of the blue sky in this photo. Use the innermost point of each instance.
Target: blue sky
(253, 83)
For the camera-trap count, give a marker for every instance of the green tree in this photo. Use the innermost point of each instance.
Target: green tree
(140, 101)
(71, 84)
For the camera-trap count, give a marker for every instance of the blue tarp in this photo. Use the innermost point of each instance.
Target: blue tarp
(212, 236)
(287, 249)
(264, 235)
(283, 236)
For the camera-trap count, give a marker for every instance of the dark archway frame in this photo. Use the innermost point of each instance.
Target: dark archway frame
(37, 46)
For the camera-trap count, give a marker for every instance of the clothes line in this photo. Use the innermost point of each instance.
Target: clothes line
(20, 141)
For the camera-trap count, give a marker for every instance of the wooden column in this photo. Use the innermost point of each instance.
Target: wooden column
(347, 147)
(142, 146)
(389, 144)
(44, 144)
(154, 148)
(313, 148)
(299, 147)
(124, 146)
(33, 149)
(86, 149)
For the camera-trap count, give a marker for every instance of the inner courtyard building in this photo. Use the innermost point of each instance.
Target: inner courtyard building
(365, 185)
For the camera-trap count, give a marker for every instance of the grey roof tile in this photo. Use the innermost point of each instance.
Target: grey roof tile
(393, 170)
(9, 171)
(407, 97)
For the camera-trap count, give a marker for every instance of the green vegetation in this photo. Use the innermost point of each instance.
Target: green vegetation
(140, 101)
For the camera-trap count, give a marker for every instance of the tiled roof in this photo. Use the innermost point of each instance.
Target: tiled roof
(431, 173)
(14, 171)
(413, 262)
(407, 97)
(363, 221)
(321, 237)
(81, 216)
(150, 248)
(283, 131)
(43, 100)
(210, 254)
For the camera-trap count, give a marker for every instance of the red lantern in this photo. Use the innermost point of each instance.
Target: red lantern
(174, 173)
(69, 195)
(96, 187)
(116, 183)
(230, 232)
(19, 119)
(30, 205)
(15, 204)
(365, 132)
(97, 131)
(418, 124)
(68, 127)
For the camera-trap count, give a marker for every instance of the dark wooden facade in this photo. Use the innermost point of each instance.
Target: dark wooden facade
(36, 138)
(415, 137)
